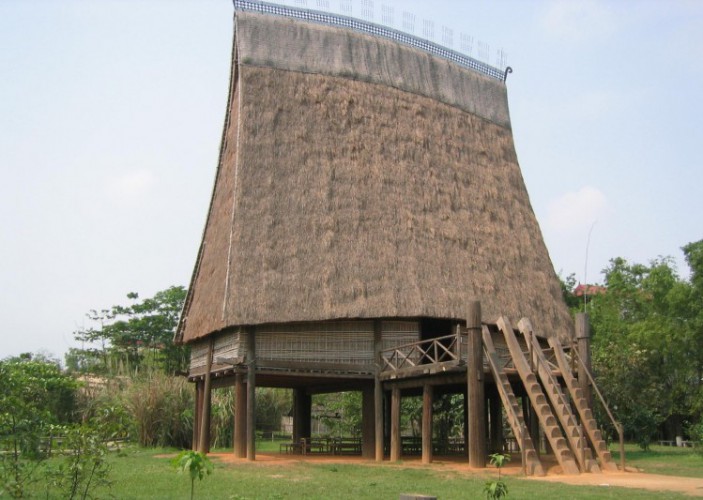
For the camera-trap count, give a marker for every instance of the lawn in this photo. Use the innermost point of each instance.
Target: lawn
(667, 460)
(148, 474)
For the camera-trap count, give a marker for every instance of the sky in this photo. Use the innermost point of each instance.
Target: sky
(111, 114)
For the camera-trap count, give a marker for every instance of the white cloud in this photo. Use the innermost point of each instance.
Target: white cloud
(132, 184)
(579, 20)
(576, 211)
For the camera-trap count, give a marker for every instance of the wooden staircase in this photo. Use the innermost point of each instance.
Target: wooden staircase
(549, 423)
(513, 411)
(560, 406)
(582, 408)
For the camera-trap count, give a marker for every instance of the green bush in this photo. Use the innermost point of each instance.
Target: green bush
(162, 410)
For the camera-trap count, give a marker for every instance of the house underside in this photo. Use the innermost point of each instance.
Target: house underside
(497, 368)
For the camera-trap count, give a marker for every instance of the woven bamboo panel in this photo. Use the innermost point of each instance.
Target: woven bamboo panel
(198, 354)
(329, 342)
(227, 345)
(396, 333)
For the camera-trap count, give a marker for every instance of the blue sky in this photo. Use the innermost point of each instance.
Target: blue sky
(112, 111)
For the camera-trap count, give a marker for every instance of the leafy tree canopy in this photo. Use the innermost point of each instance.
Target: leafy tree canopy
(648, 343)
(126, 338)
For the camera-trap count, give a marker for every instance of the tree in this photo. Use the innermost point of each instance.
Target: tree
(34, 395)
(646, 348)
(133, 337)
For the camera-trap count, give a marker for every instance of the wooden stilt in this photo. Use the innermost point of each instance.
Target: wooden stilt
(378, 391)
(386, 422)
(395, 425)
(466, 423)
(197, 418)
(204, 446)
(240, 416)
(496, 417)
(368, 423)
(427, 399)
(475, 389)
(302, 414)
(251, 394)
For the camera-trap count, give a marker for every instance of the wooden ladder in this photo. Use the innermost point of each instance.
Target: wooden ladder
(513, 411)
(560, 405)
(549, 423)
(582, 408)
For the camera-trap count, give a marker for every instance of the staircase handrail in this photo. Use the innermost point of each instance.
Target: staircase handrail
(541, 358)
(618, 426)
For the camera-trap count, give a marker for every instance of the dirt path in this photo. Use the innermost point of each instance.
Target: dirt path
(653, 482)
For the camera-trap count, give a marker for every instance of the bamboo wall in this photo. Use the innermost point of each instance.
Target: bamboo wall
(345, 342)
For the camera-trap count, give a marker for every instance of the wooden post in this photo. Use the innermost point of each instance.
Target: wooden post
(368, 423)
(240, 416)
(302, 414)
(474, 387)
(197, 417)
(583, 339)
(395, 425)
(378, 390)
(251, 394)
(427, 399)
(204, 446)
(496, 416)
(466, 423)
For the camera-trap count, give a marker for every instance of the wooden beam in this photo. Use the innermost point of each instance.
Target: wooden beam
(395, 425)
(378, 390)
(240, 416)
(427, 400)
(251, 393)
(474, 387)
(204, 446)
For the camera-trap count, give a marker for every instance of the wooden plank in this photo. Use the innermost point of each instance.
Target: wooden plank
(475, 387)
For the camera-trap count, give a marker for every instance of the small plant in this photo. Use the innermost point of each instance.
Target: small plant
(497, 489)
(196, 464)
(84, 469)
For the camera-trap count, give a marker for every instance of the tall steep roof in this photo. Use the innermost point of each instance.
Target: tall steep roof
(362, 178)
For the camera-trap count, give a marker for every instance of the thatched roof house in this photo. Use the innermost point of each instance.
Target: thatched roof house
(362, 178)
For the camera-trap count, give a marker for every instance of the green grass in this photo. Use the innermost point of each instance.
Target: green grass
(147, 474)
(667, 460)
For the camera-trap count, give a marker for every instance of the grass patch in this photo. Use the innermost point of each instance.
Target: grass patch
(667, 460)
(148, 474)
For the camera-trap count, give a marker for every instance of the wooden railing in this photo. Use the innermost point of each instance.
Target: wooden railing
(616, 424)
(422, 353)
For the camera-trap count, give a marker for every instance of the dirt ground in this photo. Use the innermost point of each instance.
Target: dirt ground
(629, 479)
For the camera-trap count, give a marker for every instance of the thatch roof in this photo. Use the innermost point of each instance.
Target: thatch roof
(360, 178)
